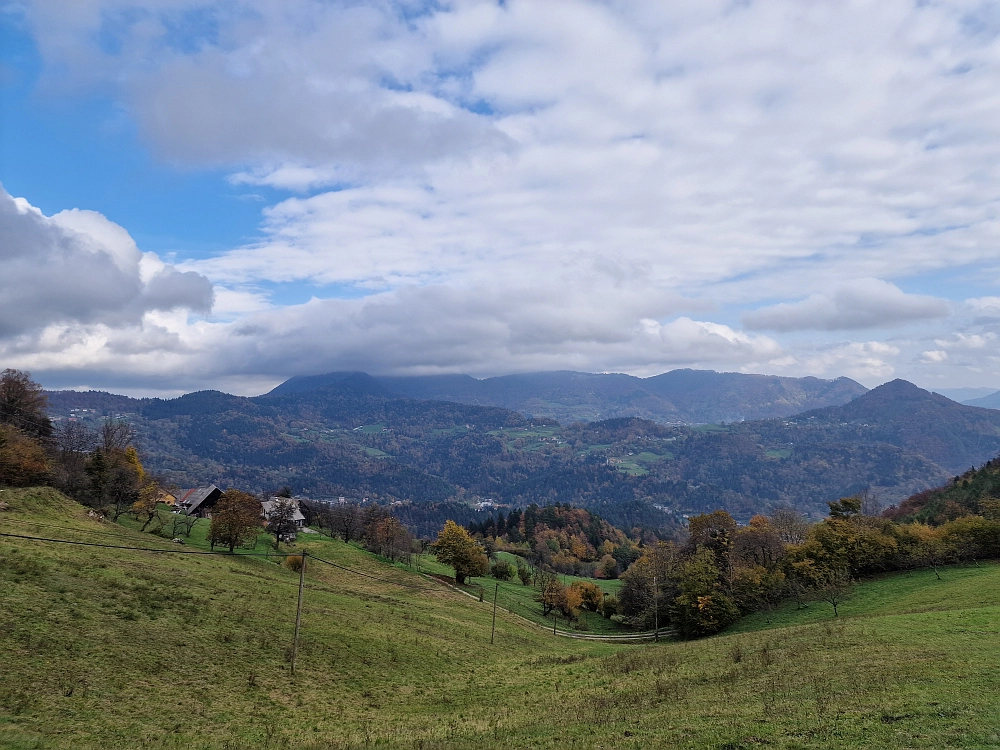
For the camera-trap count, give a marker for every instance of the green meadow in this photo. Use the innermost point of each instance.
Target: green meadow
(109, 648)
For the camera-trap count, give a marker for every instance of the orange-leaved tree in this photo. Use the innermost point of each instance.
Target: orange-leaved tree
(236, 519)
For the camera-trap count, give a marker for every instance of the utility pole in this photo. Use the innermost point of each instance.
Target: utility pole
(493, 632)
(553, 622)
(656, 612)
(298, 611)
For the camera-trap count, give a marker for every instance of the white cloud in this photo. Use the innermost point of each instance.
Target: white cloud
(858, 304)
(536, 185)
(987, 305)
(79, 268)
(934, 356)
(870, 362)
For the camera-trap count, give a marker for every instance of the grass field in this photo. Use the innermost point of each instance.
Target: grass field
(106, 648)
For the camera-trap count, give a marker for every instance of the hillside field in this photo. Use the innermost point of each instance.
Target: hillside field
(107, 648)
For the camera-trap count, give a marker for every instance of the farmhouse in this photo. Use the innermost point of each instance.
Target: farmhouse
(198, 501)
(289, 526)
(267, 510)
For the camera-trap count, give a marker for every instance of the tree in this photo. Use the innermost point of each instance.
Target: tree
(702, 608)
(346, 520)
(551, 594)
(116, 435)
(281, 519)
(236, 519)
(389, 538)
(591, 595)
(23, 404)
(74, 442)
(502, 570)
(846, 507)
(524, 573)
(790, 525)
(456, 547)
(182, 521)
(146, 509)
(834, 588)
(22, 459)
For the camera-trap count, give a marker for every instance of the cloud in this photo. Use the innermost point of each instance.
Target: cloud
(79, 268)
(478, 330)
(934, 356)
(870, 362)
(987, 305)
(501, 197)
(855, 305)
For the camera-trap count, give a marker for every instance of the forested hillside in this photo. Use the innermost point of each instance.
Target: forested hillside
(350, 438)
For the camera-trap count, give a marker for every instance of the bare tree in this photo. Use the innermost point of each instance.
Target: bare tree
(790, 525)
(183, 522)
(871, 502)
(834, 588)
(116, 435)
(74, 443)
(347, 521)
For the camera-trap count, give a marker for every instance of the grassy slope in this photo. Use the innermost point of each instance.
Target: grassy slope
(105, 648)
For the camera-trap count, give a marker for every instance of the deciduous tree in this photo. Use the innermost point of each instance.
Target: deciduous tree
(22, 459)
(456, 547)
(23, 404)
(236, 519)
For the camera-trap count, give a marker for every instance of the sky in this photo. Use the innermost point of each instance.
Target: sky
(227, 194)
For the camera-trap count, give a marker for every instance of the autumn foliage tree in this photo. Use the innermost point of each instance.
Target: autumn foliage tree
(24, 428)
(23, 404)
(236, 519)
(385, 535)
(22, 460)
(456, 547)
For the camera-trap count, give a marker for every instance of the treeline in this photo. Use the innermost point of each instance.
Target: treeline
(375, 526)
(725, 570)
(97, 467)
(559, 538)
(974, 493)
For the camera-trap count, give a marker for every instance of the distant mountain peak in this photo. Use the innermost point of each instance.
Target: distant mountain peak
(899, 387)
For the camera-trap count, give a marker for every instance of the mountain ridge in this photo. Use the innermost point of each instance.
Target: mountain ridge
(342, 438)
(674, 397)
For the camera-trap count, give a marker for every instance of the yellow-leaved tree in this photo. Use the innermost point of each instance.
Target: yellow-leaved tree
(456, 547)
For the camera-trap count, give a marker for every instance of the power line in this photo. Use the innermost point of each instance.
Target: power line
(152, 549)
(223, 554)
(66, 528)
(374, 578)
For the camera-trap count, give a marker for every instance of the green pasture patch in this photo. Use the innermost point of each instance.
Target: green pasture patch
(632, 468)
(961, 587)
(651, 458)
(778, 452)
(710, 428)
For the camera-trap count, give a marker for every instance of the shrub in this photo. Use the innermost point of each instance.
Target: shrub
(591, 595)
(609, 607)
(502, 570)
(524, 573)
(293, 563)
